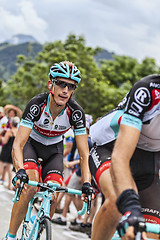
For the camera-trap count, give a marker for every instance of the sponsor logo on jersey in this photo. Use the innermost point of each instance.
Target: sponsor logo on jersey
(77, 115)
(135, 110)
(95, 157)
(154, 85)
(46, 121)
(29, 117)
(60, 127)
(157, 95)
(150, 210)
(79, 124)
(34, 110)
(142, 96)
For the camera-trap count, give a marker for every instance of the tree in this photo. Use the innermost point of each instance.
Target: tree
(147, 67)
(119, 70)
(102, 87)
(31, 77)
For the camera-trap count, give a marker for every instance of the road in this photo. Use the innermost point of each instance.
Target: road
(59, 232)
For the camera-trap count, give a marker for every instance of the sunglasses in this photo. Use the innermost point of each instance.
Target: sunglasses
(63, 84)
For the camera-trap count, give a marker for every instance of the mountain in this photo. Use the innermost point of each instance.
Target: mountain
(104, 54)
(9, 53)
(21, 38)
(21, 44)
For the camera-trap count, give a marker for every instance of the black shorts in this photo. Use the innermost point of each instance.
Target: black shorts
(145, 170)
(51, 156)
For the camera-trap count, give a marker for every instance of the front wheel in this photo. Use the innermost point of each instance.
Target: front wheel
(45, 230)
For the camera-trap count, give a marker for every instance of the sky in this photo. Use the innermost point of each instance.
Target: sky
(125, 27)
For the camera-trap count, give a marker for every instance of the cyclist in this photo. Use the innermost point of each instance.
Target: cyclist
(40, 135)
(125, 162)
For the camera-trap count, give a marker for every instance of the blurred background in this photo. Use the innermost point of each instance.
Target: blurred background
(113, 43)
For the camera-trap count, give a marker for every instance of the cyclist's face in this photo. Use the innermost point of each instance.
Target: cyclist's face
(62, 93)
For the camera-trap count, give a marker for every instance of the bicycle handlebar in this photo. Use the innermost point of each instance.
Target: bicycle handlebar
(18, 193)
(53, 187)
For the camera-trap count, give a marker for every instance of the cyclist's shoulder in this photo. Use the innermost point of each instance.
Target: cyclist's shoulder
(33, 108)
(147, 84)
(74, 105)
(39, 98)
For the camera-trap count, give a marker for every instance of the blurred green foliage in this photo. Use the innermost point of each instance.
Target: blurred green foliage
(102, 87)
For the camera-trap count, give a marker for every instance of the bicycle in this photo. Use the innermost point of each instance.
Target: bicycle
(41, 222)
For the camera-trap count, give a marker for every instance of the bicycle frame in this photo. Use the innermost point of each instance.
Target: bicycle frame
(44, 211)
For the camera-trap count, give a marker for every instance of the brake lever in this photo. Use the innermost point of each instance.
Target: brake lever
(89, 204)
(138, 236)
(18, 192)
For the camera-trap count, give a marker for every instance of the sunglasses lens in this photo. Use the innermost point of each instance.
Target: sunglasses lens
(71, 86)
(62, 84)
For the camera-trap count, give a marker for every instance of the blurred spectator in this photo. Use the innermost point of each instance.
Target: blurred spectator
(9, 111)
(3, 122)
(12, 111)
(7, 141)
(67, 143)
(74, 182)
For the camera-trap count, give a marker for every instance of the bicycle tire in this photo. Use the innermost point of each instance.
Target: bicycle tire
(45, 232)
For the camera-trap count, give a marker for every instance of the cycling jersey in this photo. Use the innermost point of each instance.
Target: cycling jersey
(47, 131)
(140, 109)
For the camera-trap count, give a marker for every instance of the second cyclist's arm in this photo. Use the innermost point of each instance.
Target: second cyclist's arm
(83, 150)
(123, 150)
(18, 145)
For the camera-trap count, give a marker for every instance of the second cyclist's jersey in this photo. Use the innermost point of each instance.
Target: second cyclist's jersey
(139, 109)
(47, 131)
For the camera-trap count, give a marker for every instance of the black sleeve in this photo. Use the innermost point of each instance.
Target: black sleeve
(139, 100)
(77, 118)
(32, 112)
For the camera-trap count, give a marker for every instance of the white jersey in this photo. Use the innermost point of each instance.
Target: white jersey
(37, 116)
(139, 109)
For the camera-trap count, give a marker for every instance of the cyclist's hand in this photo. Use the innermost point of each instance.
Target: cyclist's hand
(130, 224)
(132, 221)
(87, 195)
(21, 176)
(87, 191)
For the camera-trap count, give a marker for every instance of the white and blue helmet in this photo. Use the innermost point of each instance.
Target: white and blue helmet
(65, 70)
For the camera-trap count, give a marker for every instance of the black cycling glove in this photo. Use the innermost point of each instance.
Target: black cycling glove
(129, 205)
(87, 189)
(22, 175)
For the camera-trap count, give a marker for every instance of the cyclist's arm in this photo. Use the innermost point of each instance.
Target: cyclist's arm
(124, 148)
(120, 167)
(18, 145)
(83, 150)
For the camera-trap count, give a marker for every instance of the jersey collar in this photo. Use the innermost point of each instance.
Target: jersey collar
(47, 111)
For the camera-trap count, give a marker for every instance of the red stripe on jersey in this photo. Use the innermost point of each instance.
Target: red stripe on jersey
(100, 170)
(155, 98)
(30, 165)
(54, 177)
(49, 133)
(42, 108)
(151, 219)
(68, 111)
(119, 120)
